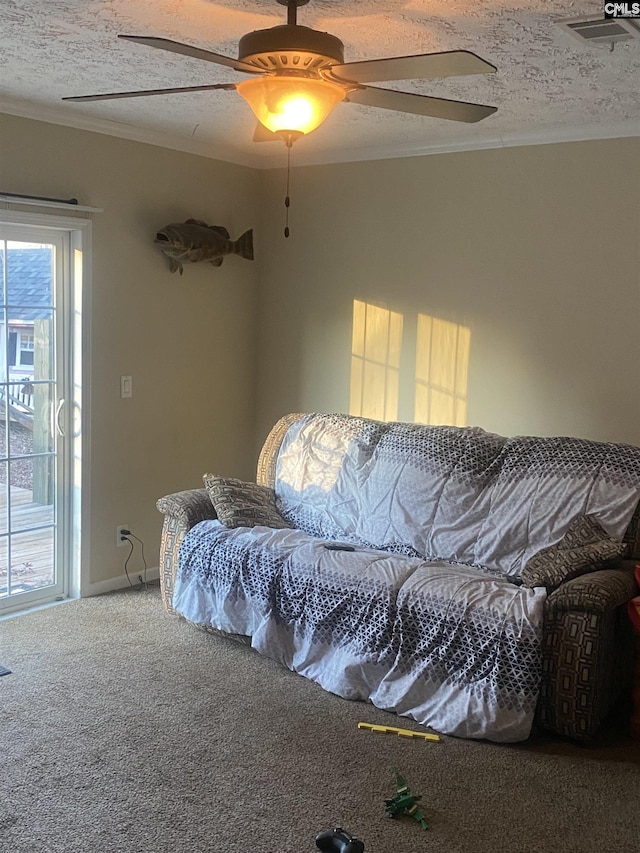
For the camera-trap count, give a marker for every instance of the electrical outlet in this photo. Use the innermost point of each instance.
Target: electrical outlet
(119, 540)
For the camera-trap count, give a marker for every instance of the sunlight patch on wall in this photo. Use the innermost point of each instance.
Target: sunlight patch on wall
(442, 366)
(375, 362)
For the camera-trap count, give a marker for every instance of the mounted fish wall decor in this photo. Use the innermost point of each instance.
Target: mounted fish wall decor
(196, 242)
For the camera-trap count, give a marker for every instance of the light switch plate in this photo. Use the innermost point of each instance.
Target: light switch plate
(126, 386)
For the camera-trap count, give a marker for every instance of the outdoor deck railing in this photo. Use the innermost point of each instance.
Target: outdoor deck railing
(20, 394)
(17, 397)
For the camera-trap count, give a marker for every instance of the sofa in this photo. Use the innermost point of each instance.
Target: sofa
(472, 582)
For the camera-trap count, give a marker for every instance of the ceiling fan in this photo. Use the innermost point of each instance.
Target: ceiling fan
(299, 75)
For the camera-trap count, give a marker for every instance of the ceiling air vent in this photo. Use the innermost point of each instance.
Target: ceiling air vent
(601, 31)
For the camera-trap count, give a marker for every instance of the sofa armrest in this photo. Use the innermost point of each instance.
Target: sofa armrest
(182, 511)
(188, 508)
(587, 651)
(598, 591)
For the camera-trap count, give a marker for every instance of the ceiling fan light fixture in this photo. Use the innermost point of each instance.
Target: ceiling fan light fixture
(290, 104)
(298, 75)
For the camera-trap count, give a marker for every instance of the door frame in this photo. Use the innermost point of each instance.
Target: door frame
(76, 365)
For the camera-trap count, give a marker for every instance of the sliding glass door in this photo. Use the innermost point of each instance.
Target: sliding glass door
(39, 418)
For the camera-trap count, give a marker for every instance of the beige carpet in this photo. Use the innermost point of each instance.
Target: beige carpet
(124, 729)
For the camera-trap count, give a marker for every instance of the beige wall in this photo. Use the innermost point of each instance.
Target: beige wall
(535, 251)
(187, 341)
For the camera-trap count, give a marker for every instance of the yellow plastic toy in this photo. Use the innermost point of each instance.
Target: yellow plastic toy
(402, 732)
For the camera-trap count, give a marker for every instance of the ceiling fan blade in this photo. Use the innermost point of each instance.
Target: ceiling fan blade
(263, 134)
(424, 105)
(194, 52)
(423, 66)
(111, 96)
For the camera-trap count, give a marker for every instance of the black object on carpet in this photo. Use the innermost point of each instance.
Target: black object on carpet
(4, 670)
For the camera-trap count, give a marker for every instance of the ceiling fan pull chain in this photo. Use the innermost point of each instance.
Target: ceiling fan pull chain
(287, 200)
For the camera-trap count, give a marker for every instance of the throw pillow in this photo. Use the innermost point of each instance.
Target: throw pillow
(585, 547)
(240, 504)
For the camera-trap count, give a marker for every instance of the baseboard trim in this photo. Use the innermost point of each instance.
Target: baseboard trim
(120, 582)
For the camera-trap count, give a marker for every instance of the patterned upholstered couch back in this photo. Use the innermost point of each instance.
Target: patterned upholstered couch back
(266, 472)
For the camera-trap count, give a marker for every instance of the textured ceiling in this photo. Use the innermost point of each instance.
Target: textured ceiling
(549, 86)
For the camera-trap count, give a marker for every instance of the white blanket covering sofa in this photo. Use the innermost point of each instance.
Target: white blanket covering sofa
(471, 582)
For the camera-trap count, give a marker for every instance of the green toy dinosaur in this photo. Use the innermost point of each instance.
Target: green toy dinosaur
(404, 802)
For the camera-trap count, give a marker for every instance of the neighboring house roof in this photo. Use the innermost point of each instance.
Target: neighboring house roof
(29, 283)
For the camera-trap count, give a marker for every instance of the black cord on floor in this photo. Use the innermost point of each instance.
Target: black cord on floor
(142, 582)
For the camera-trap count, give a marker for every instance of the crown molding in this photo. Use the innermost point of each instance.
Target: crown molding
(122, 130)
(550, 136)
